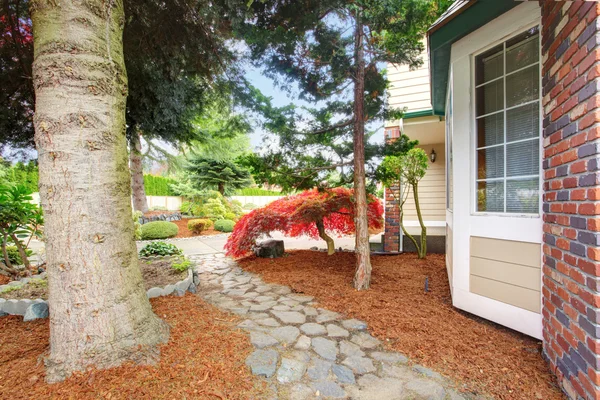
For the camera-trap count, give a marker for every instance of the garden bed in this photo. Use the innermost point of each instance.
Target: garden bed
(204, 359)
(156, 273)
(184, 232)
(484, 357)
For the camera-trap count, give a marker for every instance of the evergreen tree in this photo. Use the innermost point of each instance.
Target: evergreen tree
(333, 50)
(222, 175)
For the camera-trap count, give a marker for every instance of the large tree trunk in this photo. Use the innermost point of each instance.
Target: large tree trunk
(362, 277)
(140, 203)
(99, 313)
(323, 235)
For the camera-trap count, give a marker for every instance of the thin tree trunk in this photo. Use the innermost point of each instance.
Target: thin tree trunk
(323, 235)
(21, 251)
(362, 276)
(423, 249)
(9, 267)
(138, 192)
(221, 188)
(99, 312)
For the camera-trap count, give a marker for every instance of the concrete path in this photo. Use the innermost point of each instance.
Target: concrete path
(305, 352)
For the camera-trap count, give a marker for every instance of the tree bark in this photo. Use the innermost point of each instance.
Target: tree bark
(362, 276)
(323, 235)
(221, 188)
(138, 191)
(8, 265)
(99, 312)
(422, 251)
(21, 251)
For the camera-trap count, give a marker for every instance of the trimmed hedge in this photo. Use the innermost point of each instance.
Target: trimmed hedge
(224, 225)
(199, 225)
(158, 185)
(257, 192)
(159, 230)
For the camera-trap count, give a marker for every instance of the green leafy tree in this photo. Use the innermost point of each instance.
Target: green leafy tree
(222, 175)
(333, 50)
(401, 175)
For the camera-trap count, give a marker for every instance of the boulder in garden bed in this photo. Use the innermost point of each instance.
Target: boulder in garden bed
(269, 249)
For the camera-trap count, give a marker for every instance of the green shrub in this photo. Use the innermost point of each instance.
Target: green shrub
(257, 192)
(158, 208)
(231, 216)
(136, 224)
(224, 225)
(160, 249)
(185, 207)
(158, 185)
(13, 255)
(184, 265)
(249, 206)
(159, 230)
(199, 225)
(235, 206)
(214, 209)
(197, 210)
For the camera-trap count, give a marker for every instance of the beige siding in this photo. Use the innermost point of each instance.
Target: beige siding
(507, 271)
(408, 88)
(432, 190)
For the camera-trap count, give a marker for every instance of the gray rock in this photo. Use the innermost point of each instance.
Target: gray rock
(329, 389)
(154, 292)
(301, 298)
(251, 295)
(312, 329)
(343, 374)
(303, 343)
(426, 389)
(262, 307)
(263, 362)
(270, 249)
(400, 372)
(289, 302)
(360, 365)
(453, 395)
(16, 307)
(290, 370)
(263, 289)
(319, 369)
(350, 349)
(365, 340)
(354, 325)
(192, 288)
(260, 340)
(281, 308)
(286, 334)
(268, 322)
(36, 311)
(326, 316)
(335, 331)
(168, 290)
(290, 317)
(283, 290)
(392, 358)
(3, 314)
(310, 311)
(374, 388)
(235, 292)
(427, 372)
(248, 324)
(179, 293)
(300, 392)
(325, 348)
(259, 315)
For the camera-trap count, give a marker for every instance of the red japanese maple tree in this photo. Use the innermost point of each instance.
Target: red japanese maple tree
(312, 213)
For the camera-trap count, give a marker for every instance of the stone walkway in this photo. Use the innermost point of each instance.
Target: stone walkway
(306, 352)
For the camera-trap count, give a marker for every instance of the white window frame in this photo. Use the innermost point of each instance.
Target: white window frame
(473, 123)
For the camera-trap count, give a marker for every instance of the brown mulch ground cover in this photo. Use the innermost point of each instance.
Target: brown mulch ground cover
(485, 357)
(204, 359)
(4, 279)
(184, 232)
(157, 273)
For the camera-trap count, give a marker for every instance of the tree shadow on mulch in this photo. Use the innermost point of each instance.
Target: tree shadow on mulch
(484, 357)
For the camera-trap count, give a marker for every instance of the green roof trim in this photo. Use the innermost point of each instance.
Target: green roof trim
(441, 37)
(417, 114)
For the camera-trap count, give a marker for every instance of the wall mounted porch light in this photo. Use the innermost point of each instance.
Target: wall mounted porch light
(432, 156)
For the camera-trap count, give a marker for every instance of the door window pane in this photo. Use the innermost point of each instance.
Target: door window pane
(490, 196)
(523, 122)
(522, 196)
(490, 130)
(523, 158)
(522, 50)
(523, 86)
(490, 65)
(490, 97)
(490, 163)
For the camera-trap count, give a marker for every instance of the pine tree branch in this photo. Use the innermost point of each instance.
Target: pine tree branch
(331, 128)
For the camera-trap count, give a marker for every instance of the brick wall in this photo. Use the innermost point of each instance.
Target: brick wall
(571, 272)
(391, 238)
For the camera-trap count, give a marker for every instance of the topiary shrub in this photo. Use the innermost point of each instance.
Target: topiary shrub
(159, 230)
(214, 209)
(199, 225)
(249, 206)
(224, 225)
(160, 249)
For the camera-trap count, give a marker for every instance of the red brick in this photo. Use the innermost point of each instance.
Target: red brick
(593, 134)
(593, 253)
(590, 119)
(578, 140)
(578, 194)
(589, 208)
(588, 61)
(570, 182)
(593, 224)
(579, 167)
(593, 194)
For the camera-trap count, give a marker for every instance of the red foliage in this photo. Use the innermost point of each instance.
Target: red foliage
(297, 215)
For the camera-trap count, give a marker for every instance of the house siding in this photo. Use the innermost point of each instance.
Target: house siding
(571, 268)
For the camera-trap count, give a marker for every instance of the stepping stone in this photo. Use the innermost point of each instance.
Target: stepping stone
(262, 289)
(401, 372)
(248, 324)
(262, 299)
(243, 279)
(263, 306)
(350, 349)
(286, 334)
(427, 389)
(258, 315)
(290, 317)
(268, 322)
(283, 290)
(290, 370)
(281, 308)
(300, 297)
(247, 286)
(354, 325)
(392, 358)
(343, 374)
(329, 389)
(251, 295)
(310, 311)
(303, 343)
(360, 365)
(374, 388)
(300, 355)
(427, 372)
(263, 362)
(365, 340)
(324, 347)
(260, 340)
(289, 303)
(312, 329)
(326, 316)
(319, 370)
(336, 331)
(239, 310)
(300, 392)
(299, 307)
